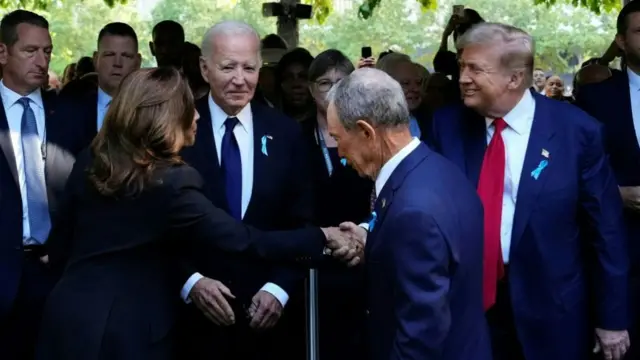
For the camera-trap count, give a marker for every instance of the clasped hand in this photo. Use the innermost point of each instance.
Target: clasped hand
(346, 242)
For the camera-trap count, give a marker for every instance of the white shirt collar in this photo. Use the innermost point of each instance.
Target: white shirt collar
(218, 116)
(392, 164)
(104, 99)
(520, 117)
(10, 97)
(634, 80)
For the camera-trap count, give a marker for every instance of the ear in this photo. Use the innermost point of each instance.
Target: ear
(138, 61)
(366, 130)
(95, 59)
(516, 80)
(204, 69)
(4, 54)
(152, 48)
(620, 41)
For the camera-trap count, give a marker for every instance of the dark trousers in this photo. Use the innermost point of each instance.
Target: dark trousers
(19, 331)
(504, 339)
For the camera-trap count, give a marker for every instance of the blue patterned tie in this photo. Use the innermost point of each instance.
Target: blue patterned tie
(39, 221)
(232, 168)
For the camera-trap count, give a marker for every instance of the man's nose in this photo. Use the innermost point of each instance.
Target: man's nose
(41, 60)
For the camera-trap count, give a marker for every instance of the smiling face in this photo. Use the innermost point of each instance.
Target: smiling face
(232, 70)
(483, 79)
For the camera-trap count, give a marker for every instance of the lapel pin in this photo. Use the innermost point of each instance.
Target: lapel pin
(264, 144)
(343, 161)
(536, 173)
(384, 202)
(545, 153)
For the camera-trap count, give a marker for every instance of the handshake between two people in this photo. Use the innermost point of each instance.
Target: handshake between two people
(346, 243)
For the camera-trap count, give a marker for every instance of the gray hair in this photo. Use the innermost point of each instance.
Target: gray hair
(370, 95)
(390, 61)
(227, 27)
(516, 46)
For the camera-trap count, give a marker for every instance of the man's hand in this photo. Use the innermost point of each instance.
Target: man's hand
(631, 197)
(210, 297)
(265, 310)
(613, 344)
(367, 62)
(344, 245)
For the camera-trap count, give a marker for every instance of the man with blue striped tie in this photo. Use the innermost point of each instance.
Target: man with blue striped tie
(34, 166)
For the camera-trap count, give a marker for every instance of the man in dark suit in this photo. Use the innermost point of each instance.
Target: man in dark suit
(116, 57)
(544, 178)
(615, 102)
(423, 253)
(253, 161)
(34, 166)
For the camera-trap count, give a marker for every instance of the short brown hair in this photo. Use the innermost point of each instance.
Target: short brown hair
(10, 22)
(144, 129)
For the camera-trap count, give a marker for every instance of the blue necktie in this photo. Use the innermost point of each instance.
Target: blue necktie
(232, 168)
(39, 221)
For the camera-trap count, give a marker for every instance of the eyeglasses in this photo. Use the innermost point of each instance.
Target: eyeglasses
(326, 85)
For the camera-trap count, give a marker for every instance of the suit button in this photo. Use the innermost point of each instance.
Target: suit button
(367, 312)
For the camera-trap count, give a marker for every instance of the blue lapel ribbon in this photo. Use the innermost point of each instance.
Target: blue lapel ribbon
(536, 173)
(264, 144)
(372, 222)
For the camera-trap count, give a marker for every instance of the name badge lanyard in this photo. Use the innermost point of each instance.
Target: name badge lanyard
(325, 151)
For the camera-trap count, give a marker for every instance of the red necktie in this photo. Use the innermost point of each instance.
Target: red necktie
(491, 189)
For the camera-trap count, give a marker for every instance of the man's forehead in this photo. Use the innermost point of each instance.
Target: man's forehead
(28, 32)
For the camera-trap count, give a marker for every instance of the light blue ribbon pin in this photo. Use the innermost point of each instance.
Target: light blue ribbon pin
(343, 162)
(372, 222)
(536, 173)
(264, 144)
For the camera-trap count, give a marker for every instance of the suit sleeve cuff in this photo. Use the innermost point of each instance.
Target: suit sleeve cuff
(276, 291)
(186, 288)
(364, 226)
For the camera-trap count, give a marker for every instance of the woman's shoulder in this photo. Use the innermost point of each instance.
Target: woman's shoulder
(179, 176)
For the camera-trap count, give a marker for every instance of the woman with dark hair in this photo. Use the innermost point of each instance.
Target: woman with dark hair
(291, 74)
(133, 208)
(341, 195)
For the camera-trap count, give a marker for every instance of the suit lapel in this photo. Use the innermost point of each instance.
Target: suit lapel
(51, 143)
(386, 197)
(626, 131)
(5, 143)
(541, 140)
(262, 127)
(475, 144)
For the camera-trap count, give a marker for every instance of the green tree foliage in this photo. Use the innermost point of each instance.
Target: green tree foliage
(198, 15)
(564, 35)
(74, 26)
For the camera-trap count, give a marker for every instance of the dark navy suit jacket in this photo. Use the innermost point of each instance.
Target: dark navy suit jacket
(550, 275)
(58, 163)
(81, 112)
(424, 265)
(610, 103)
(282, 196)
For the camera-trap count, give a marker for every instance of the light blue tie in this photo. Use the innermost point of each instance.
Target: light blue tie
(39, 221)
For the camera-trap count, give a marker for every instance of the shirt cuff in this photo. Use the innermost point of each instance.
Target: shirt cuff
(186, 288)
(276, 291)
(364, 226)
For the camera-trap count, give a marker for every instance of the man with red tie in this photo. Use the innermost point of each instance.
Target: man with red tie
(555, 262)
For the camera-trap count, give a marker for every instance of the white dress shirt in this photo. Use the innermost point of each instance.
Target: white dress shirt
(244, 135)
(634, 92)
(390, 166)
(104, 100)
(516, 137)
(14, 113)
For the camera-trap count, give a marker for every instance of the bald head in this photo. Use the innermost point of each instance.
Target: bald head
(370, 95)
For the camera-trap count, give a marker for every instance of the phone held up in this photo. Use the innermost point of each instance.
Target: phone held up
(365, 52)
